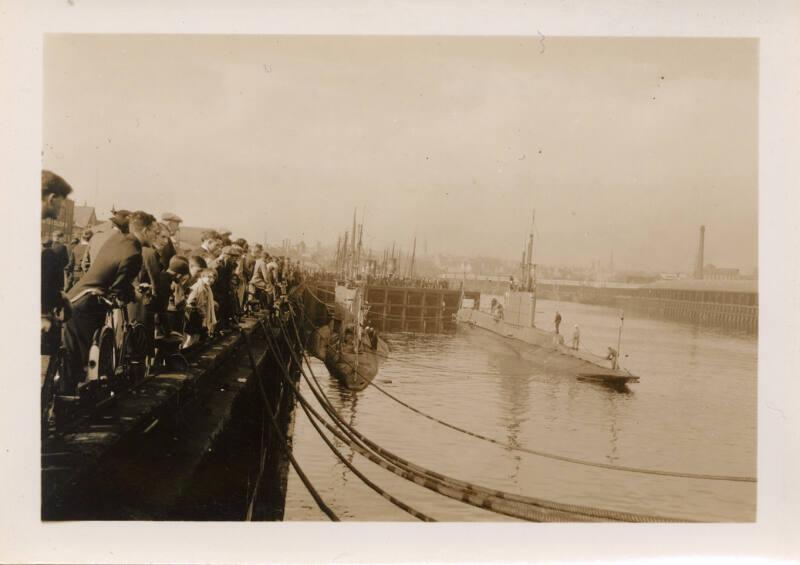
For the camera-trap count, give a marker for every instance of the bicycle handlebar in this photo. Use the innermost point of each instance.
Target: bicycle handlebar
(110, 300)
(106, 300)
(114, 301)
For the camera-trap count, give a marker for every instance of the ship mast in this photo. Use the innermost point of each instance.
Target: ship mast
(413, 256)
(531, 271)
(343, 258)
(359, 249)
(338, 252)
(529, 257)
(353, 249)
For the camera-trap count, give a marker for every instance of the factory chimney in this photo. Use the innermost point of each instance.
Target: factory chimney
(698, 269)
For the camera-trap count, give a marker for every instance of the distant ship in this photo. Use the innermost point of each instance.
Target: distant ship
(513, 323)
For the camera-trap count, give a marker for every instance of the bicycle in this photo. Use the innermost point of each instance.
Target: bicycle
(118, 354)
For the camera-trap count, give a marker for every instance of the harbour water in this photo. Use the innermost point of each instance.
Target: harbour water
(693, 411)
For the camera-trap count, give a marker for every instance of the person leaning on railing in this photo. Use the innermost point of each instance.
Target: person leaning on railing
(201, 316)
(112, 273)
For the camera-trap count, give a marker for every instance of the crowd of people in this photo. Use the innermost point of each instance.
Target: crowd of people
(135, 261)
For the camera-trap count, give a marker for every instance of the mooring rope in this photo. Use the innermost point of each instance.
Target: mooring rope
(261, 467)
(510, 504)
(494, 504)
(272, 415)
(557, 457)
(394, 500)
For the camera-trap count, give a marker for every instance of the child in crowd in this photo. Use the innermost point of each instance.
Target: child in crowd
(196, 264)
(173, 280)
(200, 308)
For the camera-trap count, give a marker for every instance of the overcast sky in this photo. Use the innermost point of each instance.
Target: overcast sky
(621, 145)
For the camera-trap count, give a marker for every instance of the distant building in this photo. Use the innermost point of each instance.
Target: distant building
(84, 217)
(712, 273)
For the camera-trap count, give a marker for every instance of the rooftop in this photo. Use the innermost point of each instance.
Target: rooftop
(83, 215)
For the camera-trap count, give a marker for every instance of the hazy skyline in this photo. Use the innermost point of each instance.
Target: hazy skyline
(621, 145)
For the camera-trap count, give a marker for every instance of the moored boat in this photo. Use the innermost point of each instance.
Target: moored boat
(351, 350)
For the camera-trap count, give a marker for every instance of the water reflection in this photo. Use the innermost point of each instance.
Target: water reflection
(693, 410)
(514, 386)
(612, 411)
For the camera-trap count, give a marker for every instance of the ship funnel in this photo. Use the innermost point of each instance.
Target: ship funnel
(698, 269)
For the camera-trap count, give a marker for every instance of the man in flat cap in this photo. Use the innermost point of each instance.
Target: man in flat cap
(170, 247)
(173, 222)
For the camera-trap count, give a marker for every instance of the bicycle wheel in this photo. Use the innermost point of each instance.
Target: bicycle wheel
(106, 361)
(134, 352)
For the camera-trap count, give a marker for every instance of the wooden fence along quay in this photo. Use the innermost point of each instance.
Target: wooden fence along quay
(728, 304)
(407, 309)
(732, 316)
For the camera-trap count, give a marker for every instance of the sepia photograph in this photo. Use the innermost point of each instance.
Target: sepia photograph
(399, 278)
(312, 277)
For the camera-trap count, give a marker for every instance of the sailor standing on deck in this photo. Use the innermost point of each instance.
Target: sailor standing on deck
(576, 337)
(558, 320)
